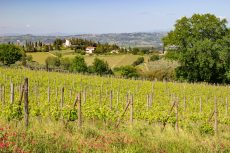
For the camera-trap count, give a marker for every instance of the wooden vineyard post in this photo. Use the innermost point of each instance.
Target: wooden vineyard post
(11, 93)
(56, 94)
(147, 101)
(200, 105)
(48, 93)
(84, 95)
(1, 93)
(22, 89)
(131, 110)
(118, 98)
(185, 107)
(151, 100)
(26, 103)
(215, 116)
(36, 93)
(226, 105)
(100, 96)
(111, 99)
(177, 116)
(62, 97)
(79, 111)
(70, 93)
(120, 118)
(127, 99)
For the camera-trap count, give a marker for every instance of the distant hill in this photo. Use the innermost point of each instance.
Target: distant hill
(122, 39)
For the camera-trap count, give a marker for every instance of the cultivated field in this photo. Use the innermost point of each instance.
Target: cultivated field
(130, 115)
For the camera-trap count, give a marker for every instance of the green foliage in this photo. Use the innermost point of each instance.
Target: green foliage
(202, 45)
(58, 43)
(127, 71)
(13, 112)
(29, 58)
(101, 67)
(79, 64)
(79, 51)
(134, 51)
(206, 129)
(66, 63)
(52, 61)
(9, 54)
(172, 55)
(139, 61)
(154, 57)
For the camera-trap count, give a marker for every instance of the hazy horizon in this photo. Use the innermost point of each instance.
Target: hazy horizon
(101, 16)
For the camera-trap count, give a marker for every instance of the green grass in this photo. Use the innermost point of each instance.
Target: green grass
(113, 60)
(40, 57)
(50, 136)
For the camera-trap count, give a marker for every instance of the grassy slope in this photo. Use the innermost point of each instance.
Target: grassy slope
(47, 136)
(40, 57)
(113, 60)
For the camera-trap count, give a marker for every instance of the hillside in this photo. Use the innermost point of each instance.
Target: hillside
(121, 39)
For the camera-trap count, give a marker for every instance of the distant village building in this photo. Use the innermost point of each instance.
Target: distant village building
(67, 43)
(114, 52)
(90, 50)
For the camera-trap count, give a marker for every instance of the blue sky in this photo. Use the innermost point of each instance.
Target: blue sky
(101, 16)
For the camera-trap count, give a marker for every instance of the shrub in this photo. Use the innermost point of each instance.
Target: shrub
(9, 54)
(66, 63)
(101, 67)
(127, 71)
(154, 58)
(206, 129)
(53, 61)
(79, 64)
(138, 61)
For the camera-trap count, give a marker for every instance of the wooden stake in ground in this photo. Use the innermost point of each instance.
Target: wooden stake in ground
(111, 99)
(200, 105)
(126, 108)
(1, 93)
(215, 117)
(131, 110)
(147, 101)
(177, 116)
(48, 93)
(11, 93)
(185, 103)
(79, 111)
(62, 97)
(26, 102)
(84, 95)
(226, 105)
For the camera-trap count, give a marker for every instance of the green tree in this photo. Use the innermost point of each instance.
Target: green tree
(9, 54)
(79, 64)
(197, 41)
(101, 67)
(66, 63)
(52, 61)
(127, 71)
(58, 43)
(154, 57)
(138, 61)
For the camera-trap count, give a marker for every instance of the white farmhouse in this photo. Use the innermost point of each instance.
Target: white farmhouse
(90, 50)
(67, 43)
